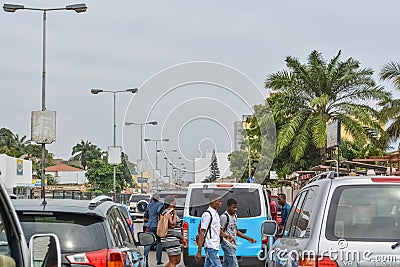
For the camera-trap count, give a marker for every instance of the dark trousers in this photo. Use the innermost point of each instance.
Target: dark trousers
(158, 246)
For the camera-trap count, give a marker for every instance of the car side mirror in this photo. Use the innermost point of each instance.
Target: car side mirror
(44, 250)
(269, 228)
(146, 239)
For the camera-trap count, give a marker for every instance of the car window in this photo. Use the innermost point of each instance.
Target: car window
(301, 225)
(248, 201)
(137, 198)
(294, 214)
(4, 246)
(364, 213)
(119, 228)
(77, 232)
(123, 211)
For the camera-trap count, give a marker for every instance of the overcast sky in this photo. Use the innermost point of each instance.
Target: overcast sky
(122, 44)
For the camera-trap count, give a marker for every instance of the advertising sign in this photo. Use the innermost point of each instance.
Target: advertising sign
(20, 167)
(43, 127)
(333, 134)
(114, 155)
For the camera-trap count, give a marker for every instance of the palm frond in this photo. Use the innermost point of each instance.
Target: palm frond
(391, 72)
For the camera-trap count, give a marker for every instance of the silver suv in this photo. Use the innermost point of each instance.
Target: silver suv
(345, 221)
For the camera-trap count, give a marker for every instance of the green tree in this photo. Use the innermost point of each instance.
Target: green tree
(85, 152)
(214, 169)
(315, 93)
(391, 109)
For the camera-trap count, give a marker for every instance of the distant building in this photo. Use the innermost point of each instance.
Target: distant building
(202, 166)
(65, 174)
(238, 128)
(15, 174)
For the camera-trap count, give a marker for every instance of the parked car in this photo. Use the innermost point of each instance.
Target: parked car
(252, 212)
(124, 209)
(346, 221)
(132, 203)
(13, 246)
(91, 232)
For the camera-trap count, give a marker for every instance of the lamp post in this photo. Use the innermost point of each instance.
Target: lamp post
(78, 8)
(166, 162)
(97, 91)
(156, 140)
(173, 166)
(141, 142)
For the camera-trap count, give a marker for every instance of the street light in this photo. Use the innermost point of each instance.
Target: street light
(97, 91)
(156, 140)
(166, 163)
(141, 142)
(12, 8)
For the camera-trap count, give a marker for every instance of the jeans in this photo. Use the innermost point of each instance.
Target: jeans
(158, 246)
(212, 258)
(230, 259)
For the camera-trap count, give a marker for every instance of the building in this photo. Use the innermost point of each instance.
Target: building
(202, 166)
(238, 128)
(15, 174)
(65, 174)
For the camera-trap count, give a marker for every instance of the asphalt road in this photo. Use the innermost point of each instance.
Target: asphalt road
(152, 254)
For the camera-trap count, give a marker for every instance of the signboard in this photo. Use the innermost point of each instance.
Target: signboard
(20, 167)
(251, 180)
(43, 127)
(141, 180)
(114, 155)
(333, 134)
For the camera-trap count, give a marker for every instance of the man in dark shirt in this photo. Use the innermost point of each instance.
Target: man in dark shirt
(151, 216)
(285, 210)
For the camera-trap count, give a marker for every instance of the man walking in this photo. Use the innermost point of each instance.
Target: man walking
(285, 210)
(210, 233)
(151, 216)
(229, 227)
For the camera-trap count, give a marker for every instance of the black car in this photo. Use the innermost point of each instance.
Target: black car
(91, 233)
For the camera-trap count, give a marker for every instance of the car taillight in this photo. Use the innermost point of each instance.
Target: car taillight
(265, 240)
(317, 262)
(185, 230)
(99, 258)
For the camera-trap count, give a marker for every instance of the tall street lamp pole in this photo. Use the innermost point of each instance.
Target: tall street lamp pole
(156, 140)
(141, 143)
(97, 91)
(166, 162)
(78, 8)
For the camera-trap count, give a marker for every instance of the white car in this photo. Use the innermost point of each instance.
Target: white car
(137, 211)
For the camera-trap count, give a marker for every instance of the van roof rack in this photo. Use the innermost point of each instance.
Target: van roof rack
(98, 200)
(324, 175)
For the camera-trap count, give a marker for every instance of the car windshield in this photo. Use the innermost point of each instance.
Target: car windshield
(77, 232)
(248, 201)
(365, 213)
(137, 198)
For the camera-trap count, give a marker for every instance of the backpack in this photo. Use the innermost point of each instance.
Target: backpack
(199, 230)
(162, 226)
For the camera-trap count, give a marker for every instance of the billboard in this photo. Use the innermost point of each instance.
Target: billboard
(333, 134)
(43, 127)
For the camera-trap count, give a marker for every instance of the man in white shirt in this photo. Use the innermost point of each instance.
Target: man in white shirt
(211, 233)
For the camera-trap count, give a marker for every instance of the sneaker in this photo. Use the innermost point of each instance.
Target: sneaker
(160, 263)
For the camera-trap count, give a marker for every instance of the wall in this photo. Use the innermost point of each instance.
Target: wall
(10, 176)
(69, 177)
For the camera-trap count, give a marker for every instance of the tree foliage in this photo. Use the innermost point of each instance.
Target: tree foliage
(214, 169)
(313, 94)
(85, 152)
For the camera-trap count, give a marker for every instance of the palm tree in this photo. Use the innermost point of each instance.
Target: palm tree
(391, 109)
(315, 93)
(85, 151)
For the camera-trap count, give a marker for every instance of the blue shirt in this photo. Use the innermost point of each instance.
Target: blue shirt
(152, 212)
(285, 213)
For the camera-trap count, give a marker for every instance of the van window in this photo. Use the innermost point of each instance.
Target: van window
(364, 213)
(301, 226)
(248, 201)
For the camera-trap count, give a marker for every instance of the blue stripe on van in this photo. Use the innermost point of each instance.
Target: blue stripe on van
(245, 248)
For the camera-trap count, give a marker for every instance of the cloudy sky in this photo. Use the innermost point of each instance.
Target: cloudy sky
(124, 44)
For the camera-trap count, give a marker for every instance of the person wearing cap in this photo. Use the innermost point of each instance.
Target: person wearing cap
(151, 214)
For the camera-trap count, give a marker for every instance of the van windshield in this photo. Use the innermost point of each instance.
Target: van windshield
(248, 201)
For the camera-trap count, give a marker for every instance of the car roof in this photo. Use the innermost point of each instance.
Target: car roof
(358, 180)
(97, 206)
(225, 185)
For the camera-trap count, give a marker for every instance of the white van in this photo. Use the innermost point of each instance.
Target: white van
(253, 210)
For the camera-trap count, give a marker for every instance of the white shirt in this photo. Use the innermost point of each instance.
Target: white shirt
(215, 228)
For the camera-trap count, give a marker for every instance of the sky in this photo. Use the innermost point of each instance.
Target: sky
(123, 44)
